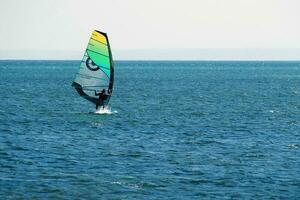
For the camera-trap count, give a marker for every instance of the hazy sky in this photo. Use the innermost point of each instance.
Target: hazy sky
(61, 28)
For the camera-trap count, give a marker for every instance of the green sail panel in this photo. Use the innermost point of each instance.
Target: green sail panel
(100, 60)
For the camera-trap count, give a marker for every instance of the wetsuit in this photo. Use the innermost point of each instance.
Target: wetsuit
(102, 97)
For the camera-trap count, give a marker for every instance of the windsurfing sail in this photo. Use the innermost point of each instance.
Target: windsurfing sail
(96, 71)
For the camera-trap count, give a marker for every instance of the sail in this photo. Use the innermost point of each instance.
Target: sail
(96, 70)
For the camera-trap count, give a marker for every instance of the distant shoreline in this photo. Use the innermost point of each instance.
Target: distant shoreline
(62, 60)
(176, 54)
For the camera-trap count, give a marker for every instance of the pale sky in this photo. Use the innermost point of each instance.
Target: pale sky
(60, 29)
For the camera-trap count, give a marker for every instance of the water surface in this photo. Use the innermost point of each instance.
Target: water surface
(183, 130)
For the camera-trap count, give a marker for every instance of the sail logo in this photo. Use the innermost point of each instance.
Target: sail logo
(91, 65)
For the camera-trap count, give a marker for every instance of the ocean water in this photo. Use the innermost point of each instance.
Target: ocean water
(177, 130)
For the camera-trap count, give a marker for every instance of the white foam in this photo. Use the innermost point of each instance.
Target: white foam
(105, 111)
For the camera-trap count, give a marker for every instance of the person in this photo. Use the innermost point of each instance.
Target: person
(102, 96)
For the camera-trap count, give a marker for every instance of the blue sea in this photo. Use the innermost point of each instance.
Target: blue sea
(177, 130)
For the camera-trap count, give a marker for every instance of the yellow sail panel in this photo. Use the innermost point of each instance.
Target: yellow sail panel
(98, 47)
(99, 37)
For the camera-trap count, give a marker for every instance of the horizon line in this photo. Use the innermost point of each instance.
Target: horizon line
(168, 60)
(162, 54)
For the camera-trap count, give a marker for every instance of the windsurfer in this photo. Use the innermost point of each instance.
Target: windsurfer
(102, 97)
